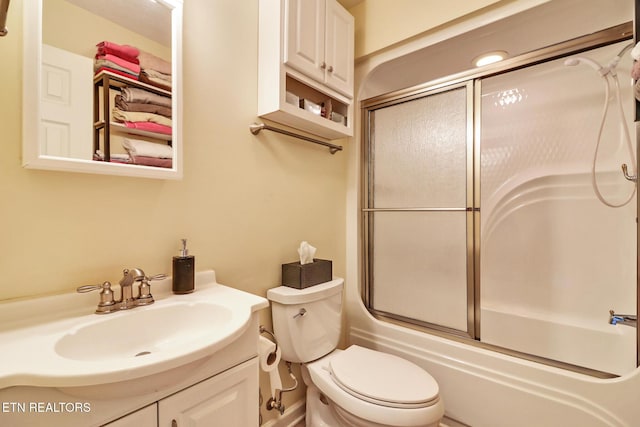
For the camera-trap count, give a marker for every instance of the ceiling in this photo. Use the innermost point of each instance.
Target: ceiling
(146, 17)
(542, 26)
(516, 34)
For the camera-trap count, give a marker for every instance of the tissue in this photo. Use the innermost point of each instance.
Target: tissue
(269, 355)
(308, 271)
(306, 252)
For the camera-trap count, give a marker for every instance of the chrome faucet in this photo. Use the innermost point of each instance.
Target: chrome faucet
(126, 287)
(107, 302)
(623, 319)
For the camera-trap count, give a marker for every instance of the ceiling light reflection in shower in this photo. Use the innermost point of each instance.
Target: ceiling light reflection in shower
(509, 97)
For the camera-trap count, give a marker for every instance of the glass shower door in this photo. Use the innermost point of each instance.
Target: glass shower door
(418, 209)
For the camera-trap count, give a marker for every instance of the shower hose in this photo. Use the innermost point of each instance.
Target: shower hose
(605, 73)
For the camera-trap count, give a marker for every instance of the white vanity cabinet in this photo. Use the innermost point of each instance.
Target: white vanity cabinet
(306, 66)
(145, 417)
(200, 373)
(319, 42)
(228, 399)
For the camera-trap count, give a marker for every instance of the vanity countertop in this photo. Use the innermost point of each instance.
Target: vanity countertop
(58, 341)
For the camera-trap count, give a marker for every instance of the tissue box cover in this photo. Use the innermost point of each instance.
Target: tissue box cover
(300, 276)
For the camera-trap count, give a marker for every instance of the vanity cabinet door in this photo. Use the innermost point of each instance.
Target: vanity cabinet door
(145, 417)
(227, 399)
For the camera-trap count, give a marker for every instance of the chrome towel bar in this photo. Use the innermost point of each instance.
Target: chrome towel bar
(256, 128)
(4, 8)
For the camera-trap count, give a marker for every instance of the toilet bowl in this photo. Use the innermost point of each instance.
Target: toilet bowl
(371, 388)
(352, 387)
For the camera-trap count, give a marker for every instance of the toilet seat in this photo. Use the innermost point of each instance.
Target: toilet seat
(382, 378)
(387, 410)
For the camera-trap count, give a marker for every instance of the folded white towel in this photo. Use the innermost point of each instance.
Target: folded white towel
(136, 147)
(114, 156)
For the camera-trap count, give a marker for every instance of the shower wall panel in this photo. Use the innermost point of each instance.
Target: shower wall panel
(554, 260)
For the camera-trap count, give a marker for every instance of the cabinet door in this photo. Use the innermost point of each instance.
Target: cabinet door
(228, 399)
(145, 417)
(339, 48)
(304, 37)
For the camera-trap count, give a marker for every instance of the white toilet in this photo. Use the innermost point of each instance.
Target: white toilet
(352, 387)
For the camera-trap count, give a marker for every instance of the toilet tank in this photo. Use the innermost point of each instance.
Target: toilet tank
(307, 322)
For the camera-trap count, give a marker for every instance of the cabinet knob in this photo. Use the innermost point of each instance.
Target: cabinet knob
(323, 65)
(330, 69)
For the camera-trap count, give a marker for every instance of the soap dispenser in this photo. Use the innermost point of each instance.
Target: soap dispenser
(184, 271)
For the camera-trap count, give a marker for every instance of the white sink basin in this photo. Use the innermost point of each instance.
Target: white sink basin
(59, 342)
(146, 331)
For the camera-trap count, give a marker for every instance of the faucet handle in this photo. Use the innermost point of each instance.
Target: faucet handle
(107, 303)
(89, 288)
(144, 289)
(105, 288)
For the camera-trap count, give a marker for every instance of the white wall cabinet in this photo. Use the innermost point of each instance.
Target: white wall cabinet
(305, 66)
(319, 42)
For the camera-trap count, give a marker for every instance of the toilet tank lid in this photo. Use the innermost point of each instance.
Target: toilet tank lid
(288, 295)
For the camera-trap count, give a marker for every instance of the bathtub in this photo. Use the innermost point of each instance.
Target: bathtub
(536, 311)
(596, 345)
(554, 261)
(485, 388)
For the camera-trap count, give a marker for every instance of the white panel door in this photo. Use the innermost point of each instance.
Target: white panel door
(66, 104)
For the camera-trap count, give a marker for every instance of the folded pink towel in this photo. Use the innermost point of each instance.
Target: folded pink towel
(152, 161)
(134, 68)
(149, 127)
(111, 69)
(130, 53)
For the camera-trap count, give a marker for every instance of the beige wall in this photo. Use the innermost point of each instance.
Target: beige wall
(245, 202)
(382, 23)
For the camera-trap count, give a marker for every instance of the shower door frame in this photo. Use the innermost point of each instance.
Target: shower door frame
(472, 218)
(471, 78)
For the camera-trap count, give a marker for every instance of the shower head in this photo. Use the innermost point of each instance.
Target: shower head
(593, 64)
